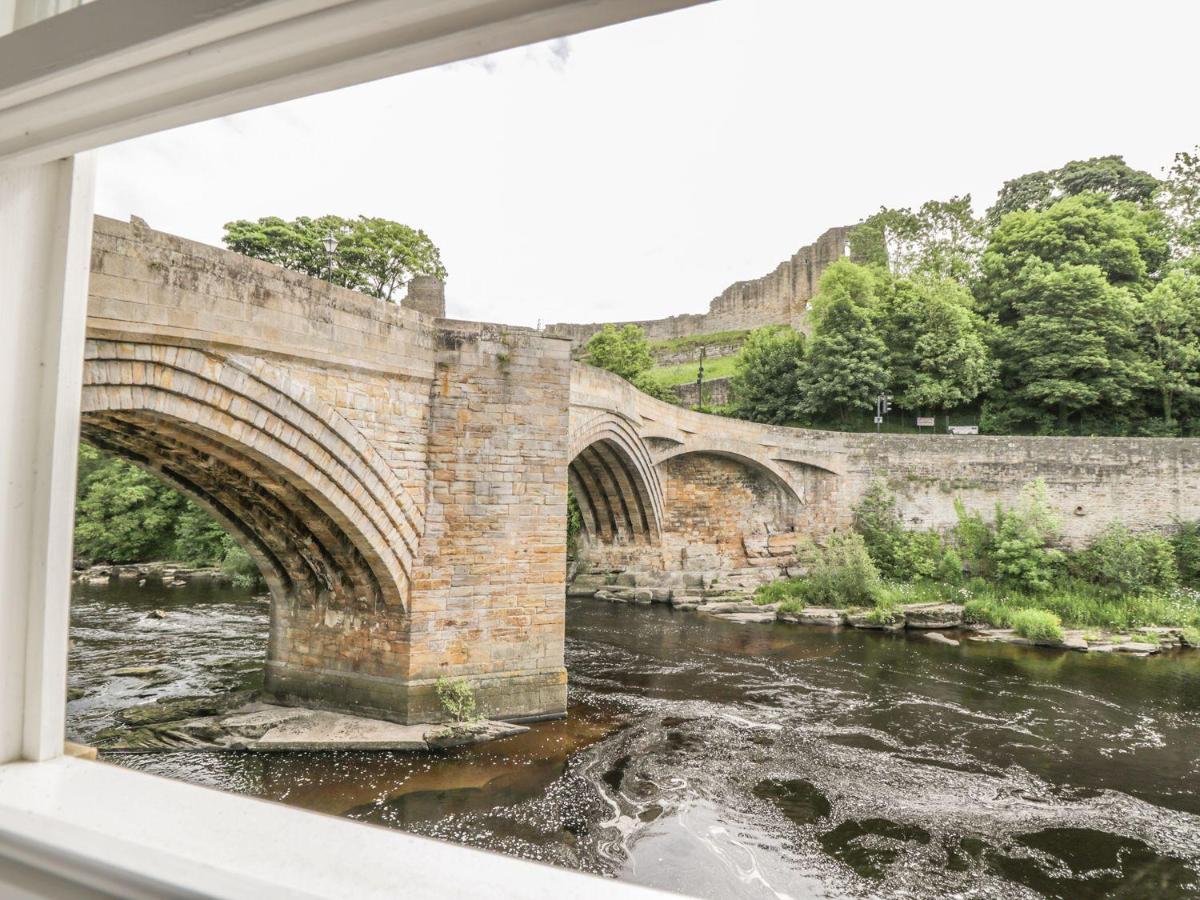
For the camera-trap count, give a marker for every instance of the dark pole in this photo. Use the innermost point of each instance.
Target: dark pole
(700, 381)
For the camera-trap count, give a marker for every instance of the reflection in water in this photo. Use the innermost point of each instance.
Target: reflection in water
(729, 760)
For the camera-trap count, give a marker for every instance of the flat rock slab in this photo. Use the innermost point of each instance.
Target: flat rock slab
(332, 731)
(933, 615)
(266, 727)
(747, 618)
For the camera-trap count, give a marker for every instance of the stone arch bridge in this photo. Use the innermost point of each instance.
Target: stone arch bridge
(401, 479)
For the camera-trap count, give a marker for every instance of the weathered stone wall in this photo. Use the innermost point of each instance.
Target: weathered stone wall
(780, 298)
(716, 392)
(691, 353)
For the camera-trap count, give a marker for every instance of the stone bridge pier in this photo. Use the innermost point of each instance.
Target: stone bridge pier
(399, 479)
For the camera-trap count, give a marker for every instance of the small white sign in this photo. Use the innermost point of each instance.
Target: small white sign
(926, 421)
(963, 429)
(879, 420)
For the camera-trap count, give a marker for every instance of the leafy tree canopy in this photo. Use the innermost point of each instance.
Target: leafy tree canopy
(938, 356)
(942, 239)
(1108, 176)
(123, 514)
(765, 382)
(623, 351)
(375, 256)
(1180, 200)
(1170, 322)
(1125, 242)
(845, 366)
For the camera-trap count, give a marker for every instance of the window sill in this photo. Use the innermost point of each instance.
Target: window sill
(99, 827)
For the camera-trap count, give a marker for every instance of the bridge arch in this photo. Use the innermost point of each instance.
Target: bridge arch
(614, 480)
(299, 488)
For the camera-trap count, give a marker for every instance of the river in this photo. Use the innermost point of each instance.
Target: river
(737, 761)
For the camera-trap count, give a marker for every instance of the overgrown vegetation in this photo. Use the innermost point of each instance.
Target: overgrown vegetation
(1006, 572)
(126, 515)
(1072, 307)
(456, 698)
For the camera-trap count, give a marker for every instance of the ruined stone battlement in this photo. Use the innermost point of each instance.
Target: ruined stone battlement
(778, 298)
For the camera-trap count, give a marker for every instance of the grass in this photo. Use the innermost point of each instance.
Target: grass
(685, 373)
(674, 345)
(1074, 604)
(1037, 625)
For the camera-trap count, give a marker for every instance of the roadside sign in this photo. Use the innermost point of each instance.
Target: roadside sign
(879, 420)
(963, 429)
(926, 421)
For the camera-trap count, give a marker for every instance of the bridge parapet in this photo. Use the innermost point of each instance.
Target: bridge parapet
(148, 283)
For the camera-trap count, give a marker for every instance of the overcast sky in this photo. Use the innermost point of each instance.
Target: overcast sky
(636, 171)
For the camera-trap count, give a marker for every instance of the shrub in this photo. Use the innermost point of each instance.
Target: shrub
(885, 614)
(1020, 552)
(950, 569)
(649, 383)
(877, 520)
(918, 554)
(1186, 544)
(238, 565)
(780, 592)
(974, 540)
(1037, 625)
(841, 573)
(457, 698)
(1119, 559)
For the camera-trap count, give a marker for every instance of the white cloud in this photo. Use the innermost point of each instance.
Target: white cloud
(636, 171)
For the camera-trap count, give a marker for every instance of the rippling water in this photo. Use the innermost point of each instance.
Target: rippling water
(726, 760)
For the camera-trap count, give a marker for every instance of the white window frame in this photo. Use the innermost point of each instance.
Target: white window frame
(71, 82)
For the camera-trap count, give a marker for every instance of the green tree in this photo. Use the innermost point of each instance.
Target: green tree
(1170, 321)
(765, 383)
(623, 351)
(1062, 287)
(1180, 200)
(1108, 176)
(938, 356)
(376, 256)
(1072, 345)
(845, 363)
(942, 239)
(124, 514)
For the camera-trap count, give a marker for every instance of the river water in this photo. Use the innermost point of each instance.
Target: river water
(737, 761)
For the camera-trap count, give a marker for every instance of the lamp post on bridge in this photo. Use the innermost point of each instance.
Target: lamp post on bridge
(700, 381)
(331, 244)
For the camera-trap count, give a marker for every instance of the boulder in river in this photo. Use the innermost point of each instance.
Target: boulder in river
(134, 671)
(938, 638)
(933, 615)
(820, 615)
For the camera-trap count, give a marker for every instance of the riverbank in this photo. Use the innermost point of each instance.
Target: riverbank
(170, 574)
(932, 618)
